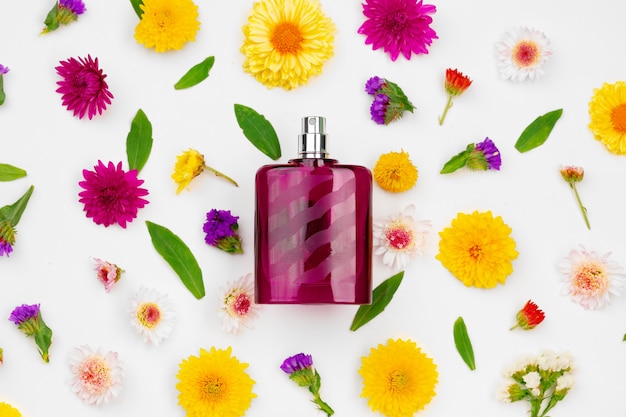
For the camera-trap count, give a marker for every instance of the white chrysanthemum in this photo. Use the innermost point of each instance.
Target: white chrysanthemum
(152, 315)
(521, 53)
(96, 377)
(400, 238)
(590, 278)
(237, 306)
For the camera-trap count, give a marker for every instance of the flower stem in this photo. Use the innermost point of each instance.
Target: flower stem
(580, 204)
(219, 174)
(323, 406)
(445, 111)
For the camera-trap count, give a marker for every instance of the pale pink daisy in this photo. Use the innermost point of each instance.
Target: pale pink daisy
(237, 306)
(400, 238)
(96, 377)
(521, 53)
(152, 315)
(108, 273)
(590, 278)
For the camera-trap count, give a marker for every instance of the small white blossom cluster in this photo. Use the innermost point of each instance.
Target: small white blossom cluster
(543, 379)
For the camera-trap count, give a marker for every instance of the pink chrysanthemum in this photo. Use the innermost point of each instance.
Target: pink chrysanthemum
(83, 88)
(96, 378)
(237, 306)
(590, 278)
(108, 273)
(111, 194)
(398, 26)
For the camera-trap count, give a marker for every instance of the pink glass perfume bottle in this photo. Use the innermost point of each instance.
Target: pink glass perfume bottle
(313, 235)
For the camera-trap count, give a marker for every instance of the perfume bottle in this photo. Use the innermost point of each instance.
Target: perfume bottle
(313, 234)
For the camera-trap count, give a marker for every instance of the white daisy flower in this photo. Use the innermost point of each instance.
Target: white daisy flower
(400, 238)
(521, 53)
(237, 306)
(96, 377)
(152, 315)
(590, 278)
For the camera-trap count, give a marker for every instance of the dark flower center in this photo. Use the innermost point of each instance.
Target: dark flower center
(86, 83)
(395, 22)
(241, 304)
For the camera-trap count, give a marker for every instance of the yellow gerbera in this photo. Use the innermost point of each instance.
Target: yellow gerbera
(286, 42)
(398, 378)
(395, 172)
(6, 410)
(477, 249)
(607, 109)
(214, 384)
(167, 24)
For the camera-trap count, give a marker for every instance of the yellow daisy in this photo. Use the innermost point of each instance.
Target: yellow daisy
(607, 109)
(477, 249)
(398, 378)
(6, 410)
(395, 172)
(167, 24)
(214, 384)
(286, 42)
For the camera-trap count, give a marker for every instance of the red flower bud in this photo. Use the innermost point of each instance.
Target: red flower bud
(529, 316)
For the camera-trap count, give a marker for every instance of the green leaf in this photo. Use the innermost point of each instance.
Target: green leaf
(463, 343)
(258, 130)
(538, 131)
(177, 254)
(139, 141)
(13, 212)
(136, 4)
(458, 161)
(196, 74)
(10, 172)
(52, 19)
(381, 297)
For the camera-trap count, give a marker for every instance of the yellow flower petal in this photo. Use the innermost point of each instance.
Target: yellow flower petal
(607, 109)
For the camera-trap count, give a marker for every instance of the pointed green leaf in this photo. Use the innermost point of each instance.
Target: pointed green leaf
(538, 131)
(381, 297)
(13, 212)
(10, 172)
(178, 255)
(139, 141)
(458, 161)
(196, 74)
(463, 343)
(258, 130)
(52, 19)
(136, 4)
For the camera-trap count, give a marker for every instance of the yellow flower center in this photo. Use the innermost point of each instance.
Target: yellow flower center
(95, 375)
(618, 118)
(287, 38)
(526, 54)
(213, 388)
(591, 279)
(398, 381)
(476, 252)
(149, 315)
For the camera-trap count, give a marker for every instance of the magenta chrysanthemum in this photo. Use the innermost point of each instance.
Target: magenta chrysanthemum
(83, 88)
(398, 26)
(111, 194)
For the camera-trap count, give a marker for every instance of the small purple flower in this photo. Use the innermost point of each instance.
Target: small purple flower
(75, 6)
(297, 363)
(490, 153)
(25, 312)
(5, 247)
(3, 69)
(221, 231)
(373, 85)
(378, 108)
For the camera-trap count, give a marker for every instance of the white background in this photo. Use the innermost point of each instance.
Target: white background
(51, 263)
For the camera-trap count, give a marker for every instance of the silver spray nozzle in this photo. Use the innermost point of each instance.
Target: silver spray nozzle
(312, 143)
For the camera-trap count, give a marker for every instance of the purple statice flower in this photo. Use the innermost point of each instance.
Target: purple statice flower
(490, 155)
(221, 231)
(5, 247)
(299, 367)
(7, 238)
(75, 6)
(23, 313)
(3, 69)
(297, 363)
(374, 84)
(378, 108)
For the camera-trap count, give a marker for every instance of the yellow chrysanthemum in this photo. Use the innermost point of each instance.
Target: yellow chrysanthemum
(167, 24)
(395, 172)
(398, 378)
(286, 42)
(214, 384)
(188, 166)
(477, 249)
(6, 410)
(607, 109)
